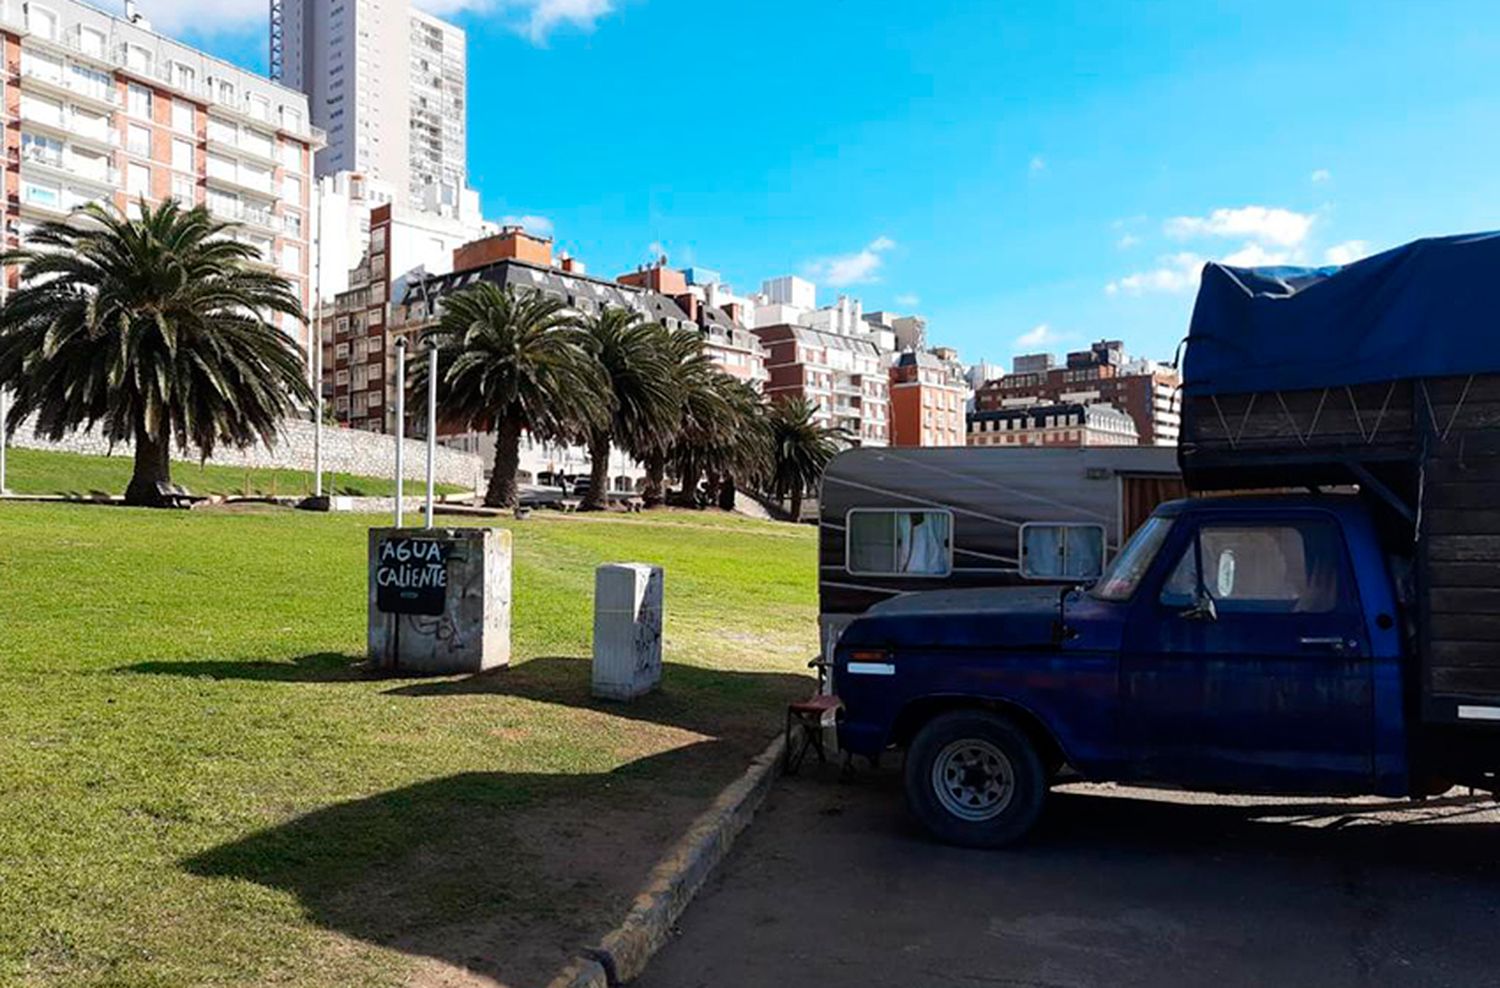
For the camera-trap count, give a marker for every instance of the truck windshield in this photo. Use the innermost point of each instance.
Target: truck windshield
(1125, 572)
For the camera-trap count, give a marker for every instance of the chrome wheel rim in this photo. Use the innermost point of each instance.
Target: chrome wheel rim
(973, 780)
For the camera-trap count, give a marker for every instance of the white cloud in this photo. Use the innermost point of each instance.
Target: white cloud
(539, 225)
(1320, 175)
(1347, 252)
(1176, 273)
(1270, 225)
(1253, 255)
(1037, 165)
(1038, 336)
(908, 300)
(536, 19)
(858, 268)
(1128, 241)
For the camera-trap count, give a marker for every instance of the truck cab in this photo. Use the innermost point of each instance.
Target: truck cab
(1234, 644)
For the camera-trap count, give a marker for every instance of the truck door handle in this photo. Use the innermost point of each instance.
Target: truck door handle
(1335, 643)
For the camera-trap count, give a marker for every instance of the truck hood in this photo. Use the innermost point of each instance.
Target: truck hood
(991, 618)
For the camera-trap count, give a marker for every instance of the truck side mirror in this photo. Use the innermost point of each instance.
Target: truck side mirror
(1203, 608)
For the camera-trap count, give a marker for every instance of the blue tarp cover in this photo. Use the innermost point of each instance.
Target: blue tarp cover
(1428, 309)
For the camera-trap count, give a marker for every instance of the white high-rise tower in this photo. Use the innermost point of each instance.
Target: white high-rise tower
(358, 61)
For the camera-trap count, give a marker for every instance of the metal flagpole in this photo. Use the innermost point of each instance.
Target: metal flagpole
(400, 428)
(432, 383)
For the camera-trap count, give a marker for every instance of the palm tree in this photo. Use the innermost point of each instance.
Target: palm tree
(800, 450)
(634, 357)
(726, 436)
(157, 330)
(696, 399)
(512, 361)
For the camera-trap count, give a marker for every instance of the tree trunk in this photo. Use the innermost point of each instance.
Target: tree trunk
(654, 494)
(153, 465)
(503, 491)
(597, 498)
(797, 502)
(726, 494)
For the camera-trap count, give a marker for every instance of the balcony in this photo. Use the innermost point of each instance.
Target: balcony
(264, 190)
(43, 78)
(243, 213)
(65, 166)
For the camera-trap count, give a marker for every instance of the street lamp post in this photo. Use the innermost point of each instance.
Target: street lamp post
(432, 383)
(400, 429)
(318, 400)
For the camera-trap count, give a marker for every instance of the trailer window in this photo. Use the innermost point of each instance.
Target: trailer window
(1062, 552)
(900, 543)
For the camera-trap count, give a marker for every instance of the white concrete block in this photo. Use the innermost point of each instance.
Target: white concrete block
(627, 630)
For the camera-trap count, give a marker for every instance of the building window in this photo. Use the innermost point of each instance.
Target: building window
(185, 190)
(138, 140)
(1061, 551)
(182, 155)
(892, 543)
(41, 21)
(182, 116)
(139, 101)
(138, 180)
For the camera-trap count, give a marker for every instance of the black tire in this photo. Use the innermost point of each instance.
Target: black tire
(996, 781)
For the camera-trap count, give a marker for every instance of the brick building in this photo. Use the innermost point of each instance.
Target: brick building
(101, 108)
(1072, 424)
(927, 401)
(845, 376)
(1145, 391)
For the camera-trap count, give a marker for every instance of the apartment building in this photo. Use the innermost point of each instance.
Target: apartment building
(1046, 424)
(727, 341)
(845, 376)
(403, 245)
(1144, 390)
(927, 402)
(388, 83)
(101, 108)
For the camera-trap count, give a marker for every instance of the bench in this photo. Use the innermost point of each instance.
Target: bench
(176, 496)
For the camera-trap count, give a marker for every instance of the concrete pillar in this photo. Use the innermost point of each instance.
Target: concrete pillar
(439, 599)
(627, 630)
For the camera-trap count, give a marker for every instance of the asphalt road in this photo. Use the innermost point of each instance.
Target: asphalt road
(833, 887)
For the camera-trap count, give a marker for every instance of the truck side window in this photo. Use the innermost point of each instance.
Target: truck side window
(1262, 569)
(897, 543)
(1062, 551)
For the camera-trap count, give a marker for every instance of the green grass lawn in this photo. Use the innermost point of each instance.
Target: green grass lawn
(196, 788)
(31, 471)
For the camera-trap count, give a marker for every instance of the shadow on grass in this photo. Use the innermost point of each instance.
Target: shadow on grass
(504, 874)
(715, 702)
(319, 667)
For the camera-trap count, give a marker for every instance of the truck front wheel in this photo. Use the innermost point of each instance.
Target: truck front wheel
(974, 778)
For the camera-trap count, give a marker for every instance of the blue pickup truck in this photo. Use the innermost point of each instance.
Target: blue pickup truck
(1332, 627)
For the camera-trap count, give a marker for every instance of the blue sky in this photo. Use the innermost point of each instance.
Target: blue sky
(1026, 175)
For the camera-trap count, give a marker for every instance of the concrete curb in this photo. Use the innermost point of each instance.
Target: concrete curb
(622, 955)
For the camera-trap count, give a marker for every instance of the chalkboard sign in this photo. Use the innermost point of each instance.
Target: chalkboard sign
(411, 576)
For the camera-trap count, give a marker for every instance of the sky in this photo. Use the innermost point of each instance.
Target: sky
(1028, 176)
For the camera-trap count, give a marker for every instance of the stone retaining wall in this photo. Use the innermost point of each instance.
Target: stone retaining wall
(368, 454)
